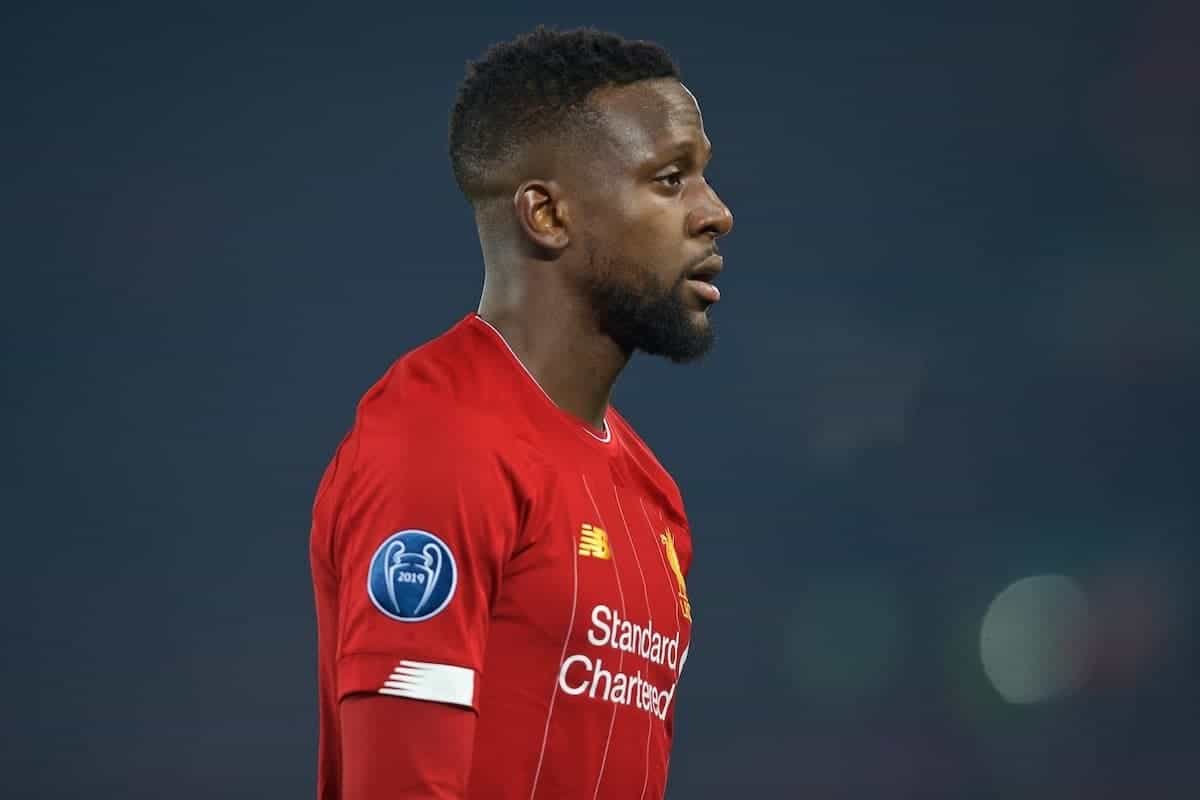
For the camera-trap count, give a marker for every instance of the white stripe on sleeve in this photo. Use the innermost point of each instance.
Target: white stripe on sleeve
(441, 683)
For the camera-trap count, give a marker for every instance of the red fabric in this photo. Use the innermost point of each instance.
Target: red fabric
(383, 759)
(569, 606)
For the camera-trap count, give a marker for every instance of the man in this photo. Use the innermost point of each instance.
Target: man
(499, 561)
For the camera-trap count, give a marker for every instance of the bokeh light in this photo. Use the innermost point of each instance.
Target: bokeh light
(1034, 639)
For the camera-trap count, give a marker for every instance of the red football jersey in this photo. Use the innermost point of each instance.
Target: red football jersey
(473, 544)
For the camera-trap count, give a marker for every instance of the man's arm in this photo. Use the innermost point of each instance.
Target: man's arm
(425, 526)
(393, 747)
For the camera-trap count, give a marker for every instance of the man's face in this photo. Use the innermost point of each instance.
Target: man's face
(650, 221)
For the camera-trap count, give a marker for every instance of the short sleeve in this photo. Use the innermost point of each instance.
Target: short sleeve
(426, 525)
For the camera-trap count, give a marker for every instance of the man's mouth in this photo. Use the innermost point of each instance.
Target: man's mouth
(700, 278)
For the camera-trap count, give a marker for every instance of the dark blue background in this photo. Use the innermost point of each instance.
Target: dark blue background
(959, 347)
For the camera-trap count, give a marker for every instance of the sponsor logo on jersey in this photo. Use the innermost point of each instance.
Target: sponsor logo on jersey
(412, 576)
(611, 635)
(685, 605)
(593, 542)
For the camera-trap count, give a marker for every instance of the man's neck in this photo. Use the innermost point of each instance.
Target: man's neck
(555, 338)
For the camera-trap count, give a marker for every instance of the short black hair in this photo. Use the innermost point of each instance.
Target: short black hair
(537, 84)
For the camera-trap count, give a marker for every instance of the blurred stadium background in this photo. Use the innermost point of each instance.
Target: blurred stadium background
(942, 468)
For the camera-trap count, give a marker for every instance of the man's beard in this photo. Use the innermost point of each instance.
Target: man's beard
(640, 315)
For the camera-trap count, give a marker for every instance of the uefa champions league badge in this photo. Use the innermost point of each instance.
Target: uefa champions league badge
(412, 576)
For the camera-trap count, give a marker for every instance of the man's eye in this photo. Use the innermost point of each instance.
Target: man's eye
(671, 179)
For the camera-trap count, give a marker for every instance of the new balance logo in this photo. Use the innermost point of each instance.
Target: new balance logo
(593, 542)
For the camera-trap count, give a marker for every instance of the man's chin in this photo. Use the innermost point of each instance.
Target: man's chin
(689, 342)
(668, 326)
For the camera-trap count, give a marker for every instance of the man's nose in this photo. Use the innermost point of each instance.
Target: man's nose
(711, 217)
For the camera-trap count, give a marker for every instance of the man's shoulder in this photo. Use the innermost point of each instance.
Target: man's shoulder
(444, 397)
(440, 379)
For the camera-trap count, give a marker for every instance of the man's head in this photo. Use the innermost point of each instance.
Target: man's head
(584, 153)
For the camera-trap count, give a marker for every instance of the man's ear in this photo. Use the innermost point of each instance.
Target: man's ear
(542, 214)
